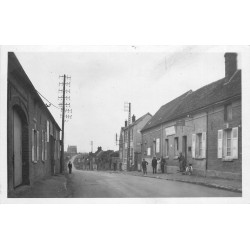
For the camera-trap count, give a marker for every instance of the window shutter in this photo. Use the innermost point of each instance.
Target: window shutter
(204, 140)
(235, 143)
(47, 131)
(220, 139)
(32, 151)
(193, 145)
(37, 141)
(42, 145)
(45, 146)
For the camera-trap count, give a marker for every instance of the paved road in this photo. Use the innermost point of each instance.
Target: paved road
(93, 184)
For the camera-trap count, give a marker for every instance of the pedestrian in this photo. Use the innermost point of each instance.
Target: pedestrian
(154, 164)
(70, 167)
(144, 166)
(163, 162)
(182, 162)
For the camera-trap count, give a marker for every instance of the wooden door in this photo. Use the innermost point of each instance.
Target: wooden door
(17, 149)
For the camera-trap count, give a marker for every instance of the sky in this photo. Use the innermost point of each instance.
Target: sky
(103, 79)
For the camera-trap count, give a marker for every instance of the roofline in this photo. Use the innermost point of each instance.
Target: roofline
(191, 112)
(22, 71)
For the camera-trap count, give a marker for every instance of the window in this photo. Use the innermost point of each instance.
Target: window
(176, 145)
(199, 145)
(43, 145)
(149, 151)
(35, 145)
(227, 145)
(157, 148)
(228, 134)
(228, 112)
(167, 147)
(131, 134)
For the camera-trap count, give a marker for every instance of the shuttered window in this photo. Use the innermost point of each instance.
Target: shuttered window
(228, 143)
(45, 147)
(35, 145)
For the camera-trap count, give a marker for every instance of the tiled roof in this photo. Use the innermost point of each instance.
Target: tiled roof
(137, 121)
(165, 111)
(193, 101)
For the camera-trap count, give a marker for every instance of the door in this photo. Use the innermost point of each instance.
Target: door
(184, 146)
(17, 149)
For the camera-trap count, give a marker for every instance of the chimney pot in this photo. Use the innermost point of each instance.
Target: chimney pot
(133, 118)
(230, 65)
(126, 124)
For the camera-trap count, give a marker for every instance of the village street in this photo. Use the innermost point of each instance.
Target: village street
(104, 184)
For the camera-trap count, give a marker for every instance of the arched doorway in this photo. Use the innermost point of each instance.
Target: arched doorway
(20, 148)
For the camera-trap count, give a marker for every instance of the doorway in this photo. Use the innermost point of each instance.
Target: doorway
(184, 146)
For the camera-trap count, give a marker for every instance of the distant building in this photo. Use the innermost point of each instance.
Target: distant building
(33, 136)
(135, 142)
(72, 150)
(204, 125)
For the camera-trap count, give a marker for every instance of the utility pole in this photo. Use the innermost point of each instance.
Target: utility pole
(91, 146)
(63, 105)
(128, 108)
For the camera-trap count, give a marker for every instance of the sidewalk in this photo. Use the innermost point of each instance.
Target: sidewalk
(52, 187)
(231, 185)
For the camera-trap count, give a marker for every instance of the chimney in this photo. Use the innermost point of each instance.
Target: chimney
(126, 123)
(230, 65)
(133, 118)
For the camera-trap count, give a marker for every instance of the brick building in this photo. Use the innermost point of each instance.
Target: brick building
(205, 125)
(33, 143)
(135, 141)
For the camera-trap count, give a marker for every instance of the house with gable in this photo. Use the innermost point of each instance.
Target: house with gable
(135, 142)
(204, 125)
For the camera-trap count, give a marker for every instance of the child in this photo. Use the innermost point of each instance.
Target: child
(189, 169)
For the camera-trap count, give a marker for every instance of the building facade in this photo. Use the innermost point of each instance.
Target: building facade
(135, 142)
(72, 150)
(204, 125)
(33, 143)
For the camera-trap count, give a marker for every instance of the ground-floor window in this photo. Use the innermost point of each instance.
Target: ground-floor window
(157, 149)
(199, 145)
(149, 151)
(227, 145)
(35, 145)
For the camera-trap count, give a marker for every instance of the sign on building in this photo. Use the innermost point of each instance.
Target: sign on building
(180, 123)
(170, 131)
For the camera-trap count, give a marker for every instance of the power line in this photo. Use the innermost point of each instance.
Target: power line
(47, 100)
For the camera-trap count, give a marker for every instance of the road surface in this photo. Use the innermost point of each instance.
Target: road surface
(101, 184)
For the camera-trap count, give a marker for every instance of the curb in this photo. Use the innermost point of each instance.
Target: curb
(211, 185)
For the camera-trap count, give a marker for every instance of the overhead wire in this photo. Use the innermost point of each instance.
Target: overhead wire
(48, 100)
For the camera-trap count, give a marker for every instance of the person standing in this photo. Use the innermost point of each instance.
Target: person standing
(144, 166)
(70, 167)
(182, 162)
(154, 164)
(163, 162)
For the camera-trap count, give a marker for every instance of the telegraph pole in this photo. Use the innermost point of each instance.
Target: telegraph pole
(63, 104)
(63, 114)
(128, 108)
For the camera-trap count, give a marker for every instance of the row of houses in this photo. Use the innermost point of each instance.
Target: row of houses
(33, 136)
(204, 125)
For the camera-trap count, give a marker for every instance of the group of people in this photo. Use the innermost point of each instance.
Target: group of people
(183, 166)
(154, 163)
